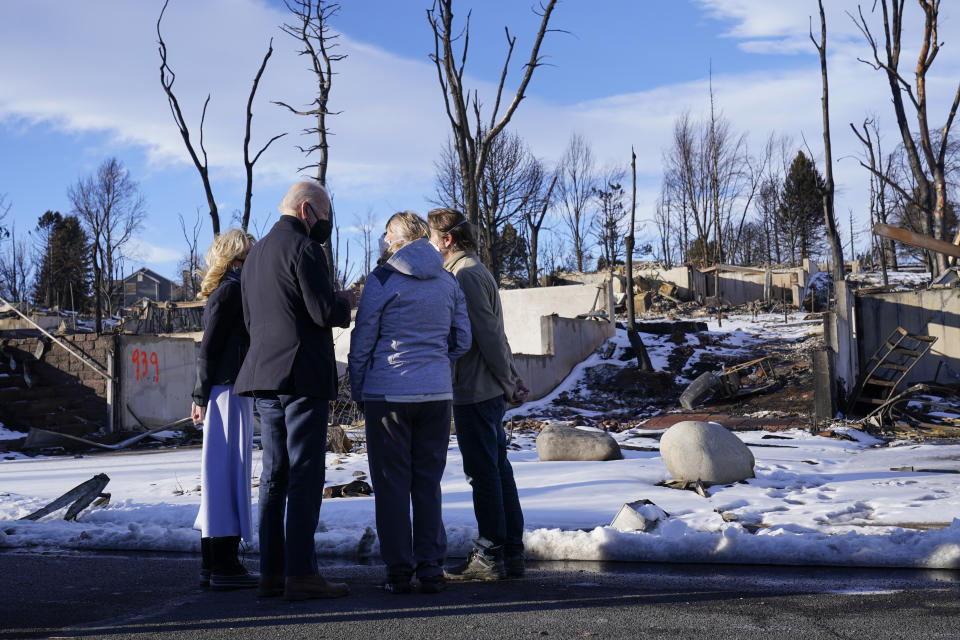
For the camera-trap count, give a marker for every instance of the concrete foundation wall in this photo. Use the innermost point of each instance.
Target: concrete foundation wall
(523, 309)
(739, 287)
(14, 323)
(566, 343)
(156, 377)
(680, 276)
(78, 384)
(934, 312)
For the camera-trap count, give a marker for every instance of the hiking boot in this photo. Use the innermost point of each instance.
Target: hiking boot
(477, 567)
(270, 586)
(514, 566)
(433, 584)
(312, 587)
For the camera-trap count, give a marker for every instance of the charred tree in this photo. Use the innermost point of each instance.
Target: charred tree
(473, 141)
(247, 162)
(167, 78)
(930, 192)
(311, 27)
(830, 222)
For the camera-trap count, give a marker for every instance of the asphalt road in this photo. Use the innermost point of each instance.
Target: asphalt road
(116, 595)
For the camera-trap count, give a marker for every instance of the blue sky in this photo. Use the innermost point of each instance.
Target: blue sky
(79, 83)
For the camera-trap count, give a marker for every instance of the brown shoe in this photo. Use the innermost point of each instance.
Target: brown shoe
(310, 587)
(270, 586)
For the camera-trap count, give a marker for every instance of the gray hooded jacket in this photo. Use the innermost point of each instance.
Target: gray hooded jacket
(411, 325)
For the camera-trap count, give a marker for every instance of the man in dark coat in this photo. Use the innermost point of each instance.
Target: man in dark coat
(290, 309)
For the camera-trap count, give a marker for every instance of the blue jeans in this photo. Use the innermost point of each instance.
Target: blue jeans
(483, 445)
(407, 447)
(294, 435)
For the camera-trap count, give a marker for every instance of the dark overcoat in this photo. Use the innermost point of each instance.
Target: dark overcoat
(290, 310)
(225, 340)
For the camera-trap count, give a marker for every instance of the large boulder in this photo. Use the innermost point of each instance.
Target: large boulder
(563, 442)
(705, 451)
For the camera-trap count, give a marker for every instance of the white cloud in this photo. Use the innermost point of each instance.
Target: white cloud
(140, 250)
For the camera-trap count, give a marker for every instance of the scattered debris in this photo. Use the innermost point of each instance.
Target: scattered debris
(921, 410)
(699, 391)
(686, 485)
(888, 367)
(739, 381)
(355, 489)
(915, 470)
(640, 515)
(337, 440)
(836, 435)
(365, 545)
(81, 496)
(41, 438)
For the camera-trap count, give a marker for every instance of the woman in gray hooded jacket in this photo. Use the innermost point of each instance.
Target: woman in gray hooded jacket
(411, 325)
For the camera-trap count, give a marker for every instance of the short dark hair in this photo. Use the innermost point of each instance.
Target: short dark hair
(454, 223)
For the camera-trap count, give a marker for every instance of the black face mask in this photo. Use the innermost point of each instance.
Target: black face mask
(321, 231)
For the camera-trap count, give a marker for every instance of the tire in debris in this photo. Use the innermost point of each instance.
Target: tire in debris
(699, 391)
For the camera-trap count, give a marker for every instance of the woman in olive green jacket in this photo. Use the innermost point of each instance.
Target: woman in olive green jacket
(484, 380)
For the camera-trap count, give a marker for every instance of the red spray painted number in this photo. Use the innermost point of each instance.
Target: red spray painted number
(141, 363)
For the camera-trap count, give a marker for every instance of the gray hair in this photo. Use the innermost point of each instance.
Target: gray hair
(301, 192)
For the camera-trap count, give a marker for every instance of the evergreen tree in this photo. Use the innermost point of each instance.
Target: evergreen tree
(801, 211)
(512, 254)
(64, 275)
(609, 218)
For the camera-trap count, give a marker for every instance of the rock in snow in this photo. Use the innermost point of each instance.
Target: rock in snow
(705, 451)
(562, 442)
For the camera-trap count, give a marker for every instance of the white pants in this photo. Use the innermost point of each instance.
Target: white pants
(226, 466)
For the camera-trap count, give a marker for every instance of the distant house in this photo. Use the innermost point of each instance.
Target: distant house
(144, 283)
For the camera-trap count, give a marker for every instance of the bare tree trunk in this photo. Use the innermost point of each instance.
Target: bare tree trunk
(833, 235)
(534, 223)
(311, 27)
(930, 191)
(247, 162)
(631, 313)
(97, 288)
(473, 144)
(167, 77)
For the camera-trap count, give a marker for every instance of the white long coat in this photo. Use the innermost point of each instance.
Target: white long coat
(226, 466)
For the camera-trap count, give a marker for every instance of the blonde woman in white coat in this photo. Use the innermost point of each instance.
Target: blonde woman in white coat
(225, 514)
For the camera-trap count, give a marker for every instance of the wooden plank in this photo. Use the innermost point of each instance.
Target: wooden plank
(916, 240)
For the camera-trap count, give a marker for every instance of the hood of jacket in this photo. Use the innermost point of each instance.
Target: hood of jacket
(418, 259)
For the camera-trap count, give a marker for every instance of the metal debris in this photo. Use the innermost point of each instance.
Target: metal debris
(81, 496)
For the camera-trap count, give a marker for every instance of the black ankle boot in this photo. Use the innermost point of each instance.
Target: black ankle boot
(206, 561)
(227, 572)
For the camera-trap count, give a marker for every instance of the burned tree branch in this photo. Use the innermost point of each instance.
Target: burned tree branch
(833, 235)
(473, 147)
(167, 78)
(247, 163)
(311, 27)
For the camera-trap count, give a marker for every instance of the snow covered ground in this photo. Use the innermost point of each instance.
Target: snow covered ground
(902, 279)
(814, 500)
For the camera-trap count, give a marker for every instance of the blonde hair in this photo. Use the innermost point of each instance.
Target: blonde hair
(411, 227)
(227, 247)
